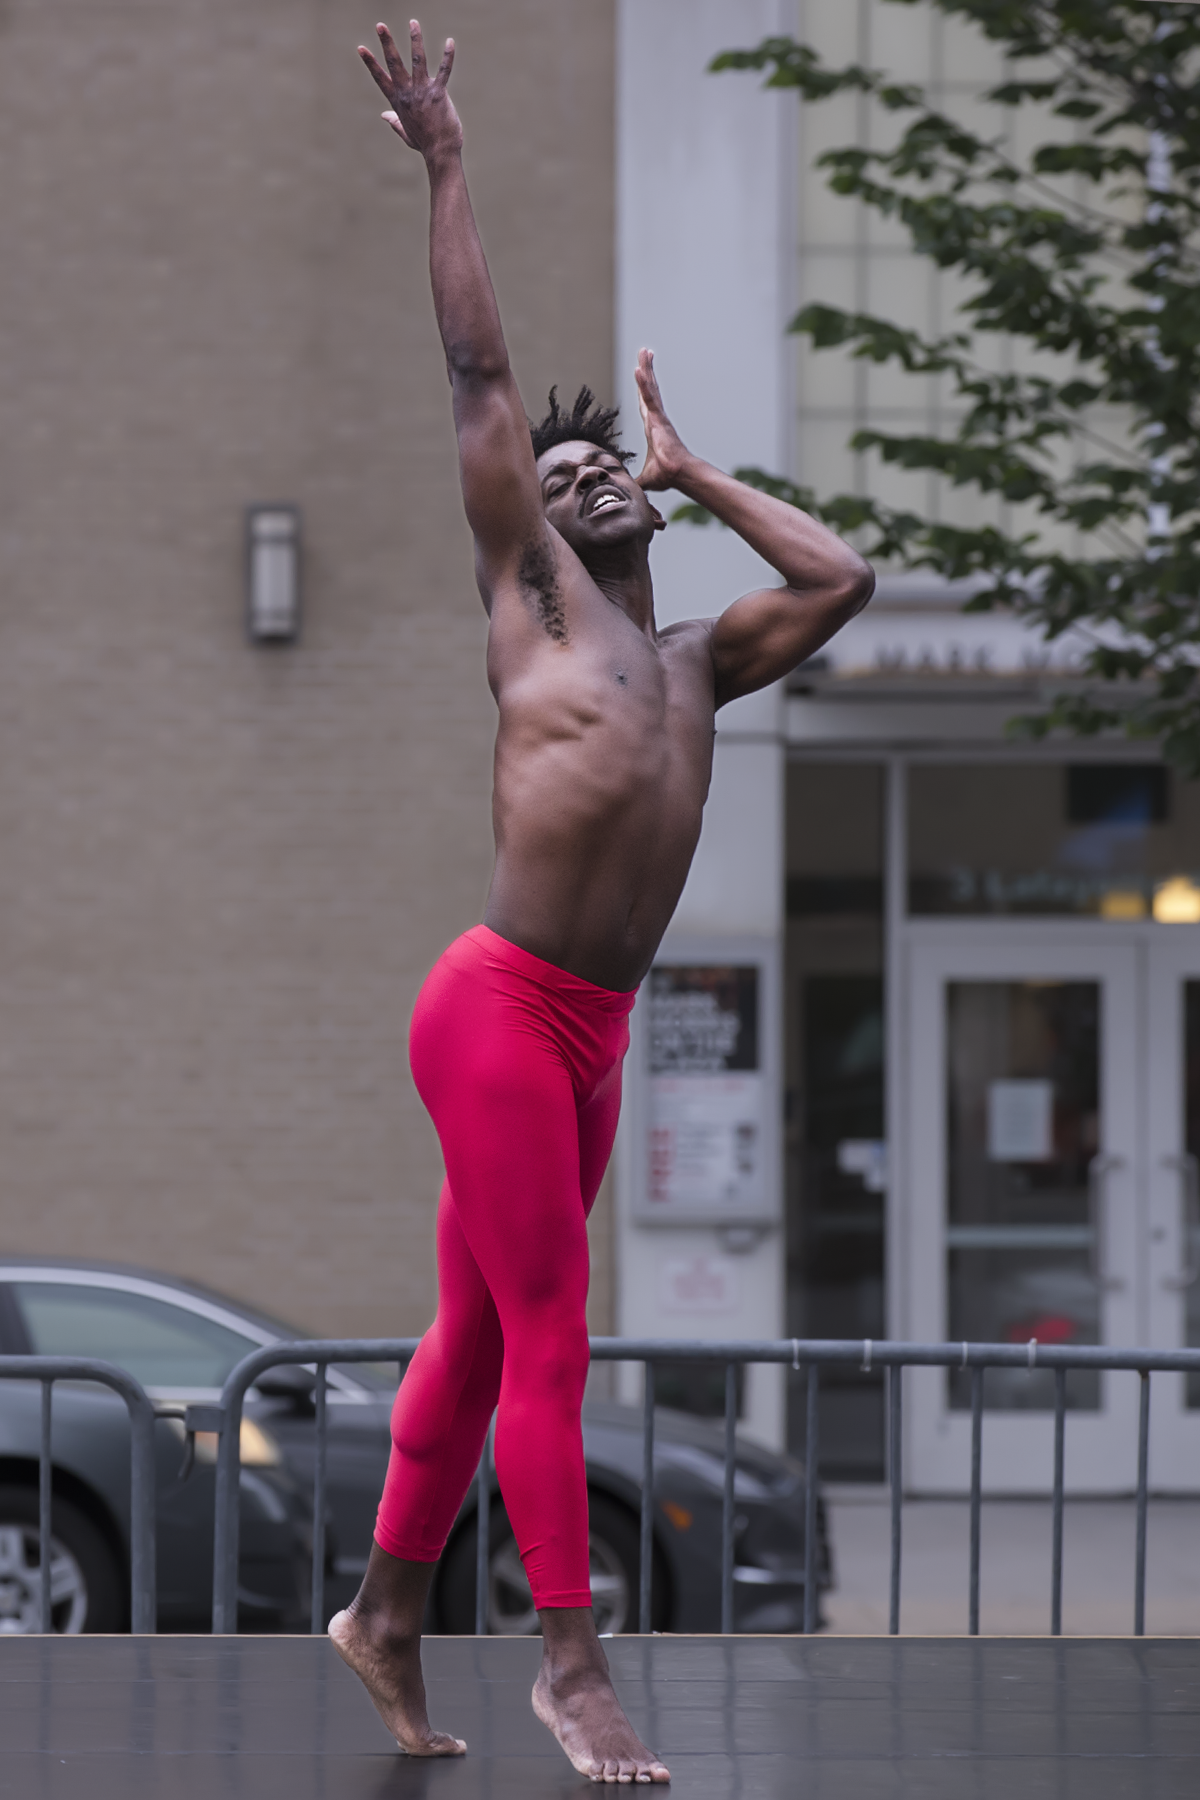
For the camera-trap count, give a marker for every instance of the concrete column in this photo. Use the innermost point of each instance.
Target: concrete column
(704, 246)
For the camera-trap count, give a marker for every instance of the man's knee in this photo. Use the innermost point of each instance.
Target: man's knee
(550, 1357)
(454, 1359)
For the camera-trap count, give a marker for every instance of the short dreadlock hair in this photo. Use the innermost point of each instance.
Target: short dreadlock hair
(587, 421)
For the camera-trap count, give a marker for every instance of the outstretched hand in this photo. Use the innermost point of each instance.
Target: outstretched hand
(665, 452)
(419, 108)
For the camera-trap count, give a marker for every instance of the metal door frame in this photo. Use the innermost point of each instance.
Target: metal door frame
(1019, 1457)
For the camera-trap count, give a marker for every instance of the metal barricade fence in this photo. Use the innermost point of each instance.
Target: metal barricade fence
(795, 1353)
(142, 1536)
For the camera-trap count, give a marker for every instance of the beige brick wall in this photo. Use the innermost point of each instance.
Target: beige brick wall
(224, 871)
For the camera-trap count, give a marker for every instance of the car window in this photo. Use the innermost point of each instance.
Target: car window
(162, 1345)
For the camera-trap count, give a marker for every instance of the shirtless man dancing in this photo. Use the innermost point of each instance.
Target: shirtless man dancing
(603, 760)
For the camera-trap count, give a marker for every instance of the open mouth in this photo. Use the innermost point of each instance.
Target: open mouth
(605, 502)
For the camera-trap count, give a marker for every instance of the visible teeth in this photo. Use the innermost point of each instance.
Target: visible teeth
(606, 500)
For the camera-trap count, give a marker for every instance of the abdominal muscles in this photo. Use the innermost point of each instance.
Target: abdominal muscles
(597, 811)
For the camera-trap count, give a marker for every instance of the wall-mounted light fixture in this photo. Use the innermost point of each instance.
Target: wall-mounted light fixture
(273, 574)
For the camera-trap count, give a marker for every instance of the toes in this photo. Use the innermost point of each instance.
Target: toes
(437, 1744)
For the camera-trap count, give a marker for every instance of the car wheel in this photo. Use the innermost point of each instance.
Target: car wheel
(85, 1583)
(613, 1556)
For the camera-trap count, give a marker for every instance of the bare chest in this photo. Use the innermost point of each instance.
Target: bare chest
(614, 695)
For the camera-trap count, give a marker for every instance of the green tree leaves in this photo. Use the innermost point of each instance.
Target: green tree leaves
(1085, 252)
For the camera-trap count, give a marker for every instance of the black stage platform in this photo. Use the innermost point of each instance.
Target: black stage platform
(194, 1718)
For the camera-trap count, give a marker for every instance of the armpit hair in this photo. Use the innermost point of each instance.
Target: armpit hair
(538, 575)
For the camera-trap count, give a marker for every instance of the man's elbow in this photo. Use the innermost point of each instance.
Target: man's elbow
(856, 586)
(470, 365)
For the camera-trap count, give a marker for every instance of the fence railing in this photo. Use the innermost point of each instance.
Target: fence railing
(810, 1355)
(142, 1539)
(800, 1354)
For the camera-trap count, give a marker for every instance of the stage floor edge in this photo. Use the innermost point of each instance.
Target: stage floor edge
(281, 1718)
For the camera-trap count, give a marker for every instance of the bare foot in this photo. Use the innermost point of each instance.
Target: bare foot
(580, 1707)
(389, 1667)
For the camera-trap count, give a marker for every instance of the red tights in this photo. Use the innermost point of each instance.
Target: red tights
(519, 1064)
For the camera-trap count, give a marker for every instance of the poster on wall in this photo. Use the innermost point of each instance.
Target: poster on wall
(704, 1141)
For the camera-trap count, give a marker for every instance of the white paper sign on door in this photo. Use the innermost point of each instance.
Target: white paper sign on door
(1020, 1121)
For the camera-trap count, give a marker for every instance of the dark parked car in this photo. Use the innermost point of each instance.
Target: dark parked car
(90, 1511)
(181, 1341)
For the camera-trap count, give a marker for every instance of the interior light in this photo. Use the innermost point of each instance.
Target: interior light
(1177, 902)
(273, 574)
(1122, 903)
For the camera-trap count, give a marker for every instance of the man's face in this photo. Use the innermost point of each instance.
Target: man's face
(592, 500)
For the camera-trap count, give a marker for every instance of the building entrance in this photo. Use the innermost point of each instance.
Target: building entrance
(1054, 1082)
(1051, 1101)
(994, 1100)
(1055, 1124)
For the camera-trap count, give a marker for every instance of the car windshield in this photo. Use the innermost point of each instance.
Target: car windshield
(161, 1345)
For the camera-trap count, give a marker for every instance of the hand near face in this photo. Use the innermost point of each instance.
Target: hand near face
(665, 452)
(419, 109)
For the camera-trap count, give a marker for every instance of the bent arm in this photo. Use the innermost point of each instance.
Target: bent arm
(762, 636)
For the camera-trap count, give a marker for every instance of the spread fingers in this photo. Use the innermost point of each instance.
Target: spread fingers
(392, 57)
(381, 78)
(420, 71)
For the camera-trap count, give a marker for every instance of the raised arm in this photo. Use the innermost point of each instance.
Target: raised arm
(499, 478)
(764, 634)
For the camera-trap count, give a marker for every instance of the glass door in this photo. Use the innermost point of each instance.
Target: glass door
(1173, 1184)
(1023, 1184)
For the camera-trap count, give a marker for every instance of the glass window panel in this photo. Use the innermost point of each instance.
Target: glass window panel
(837, 1242)
(1022, 1127)
(836, 1165)
(1113, 840)
(161, 1345)
(834, 839)
(1191, 1244)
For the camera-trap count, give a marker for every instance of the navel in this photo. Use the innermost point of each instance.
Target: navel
(622, 678)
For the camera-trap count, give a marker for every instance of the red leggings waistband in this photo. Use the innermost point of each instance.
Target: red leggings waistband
(500, 951)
